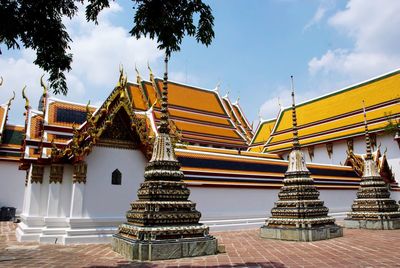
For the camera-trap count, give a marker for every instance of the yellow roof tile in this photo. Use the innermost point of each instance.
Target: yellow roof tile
(338, 111)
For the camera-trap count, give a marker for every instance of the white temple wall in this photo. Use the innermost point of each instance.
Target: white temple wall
(12, 187)
(240, 203)
(102, 199)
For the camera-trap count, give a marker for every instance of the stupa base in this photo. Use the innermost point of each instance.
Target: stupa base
(390, 224)
(302, 234)
(163, 249)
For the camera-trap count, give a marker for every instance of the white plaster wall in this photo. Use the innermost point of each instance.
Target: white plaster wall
(65, 192)
(223, 203)
(12, 185)
(338, 200)
(101, 198)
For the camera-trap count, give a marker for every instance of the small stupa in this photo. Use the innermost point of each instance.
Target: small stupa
(299, 215)
(373, 208)
(163, 223)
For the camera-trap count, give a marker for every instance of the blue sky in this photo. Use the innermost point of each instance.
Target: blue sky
(325, 44)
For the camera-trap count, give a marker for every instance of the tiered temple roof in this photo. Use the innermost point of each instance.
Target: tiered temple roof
(10, 135)
(335, 116)
(66, 128)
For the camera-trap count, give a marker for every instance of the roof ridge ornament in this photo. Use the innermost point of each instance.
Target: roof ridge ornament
(217, 87)
(27, 106)
(10, 100)
(296, 143)
(138, 78)
(150, 72)
(367, 138)
(45, 90)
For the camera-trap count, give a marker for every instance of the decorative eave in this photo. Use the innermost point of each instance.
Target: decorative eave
(357, 161)
(89, 133)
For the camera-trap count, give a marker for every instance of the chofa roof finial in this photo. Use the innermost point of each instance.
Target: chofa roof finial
(151, 72)
(25, 98)
(43, 86)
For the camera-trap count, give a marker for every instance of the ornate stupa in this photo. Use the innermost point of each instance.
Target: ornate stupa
(373, 208)
(163, 223)
(299, 215)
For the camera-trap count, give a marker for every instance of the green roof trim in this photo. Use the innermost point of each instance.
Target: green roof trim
(11, 136)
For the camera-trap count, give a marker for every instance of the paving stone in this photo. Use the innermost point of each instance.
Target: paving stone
(357, 248)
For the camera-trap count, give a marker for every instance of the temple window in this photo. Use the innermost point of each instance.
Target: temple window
(116, 177)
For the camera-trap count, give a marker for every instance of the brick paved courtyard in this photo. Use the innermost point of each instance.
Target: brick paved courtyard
(358, 248)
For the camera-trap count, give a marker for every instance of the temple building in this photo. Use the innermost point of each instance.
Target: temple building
(11, 179)
(82, 165)
(331, 129)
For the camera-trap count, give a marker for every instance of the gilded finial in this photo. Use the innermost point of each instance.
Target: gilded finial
(237, 100)
(121, 75)
(138, 78)
(151, 72)
(43, 86)
(217, 87)
(25, 98)
(10, 100)
(296, 144)
(367, 139)
(88, 113)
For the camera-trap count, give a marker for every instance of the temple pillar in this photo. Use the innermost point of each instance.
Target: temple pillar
(53, 201)
(35, 185)
(31, 224)
(54, 224)
(78, 189)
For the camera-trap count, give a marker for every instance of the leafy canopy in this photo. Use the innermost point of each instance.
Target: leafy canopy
(37, 24)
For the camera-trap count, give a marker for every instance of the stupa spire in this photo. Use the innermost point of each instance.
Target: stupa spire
(164, 123)
(373, 208)
(296, 143)
(298, 214)
(163, 220)
(367, 138)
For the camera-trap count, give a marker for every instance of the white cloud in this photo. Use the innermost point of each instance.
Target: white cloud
(373, 26)
(98, 51)
(319, 14)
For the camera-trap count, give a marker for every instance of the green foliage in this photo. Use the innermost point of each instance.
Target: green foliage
(393, 124)
(37, 24)
(168, 21)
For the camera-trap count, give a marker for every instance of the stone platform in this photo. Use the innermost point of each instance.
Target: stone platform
(163, 249)
(302, 234)
(391, 224)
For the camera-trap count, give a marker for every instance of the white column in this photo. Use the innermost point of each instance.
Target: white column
(53, 200)
(78, 191)
(55, 180)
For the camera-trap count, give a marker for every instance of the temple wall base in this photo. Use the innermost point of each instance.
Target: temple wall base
(302, 234)
(373, 224)
(163, 250)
